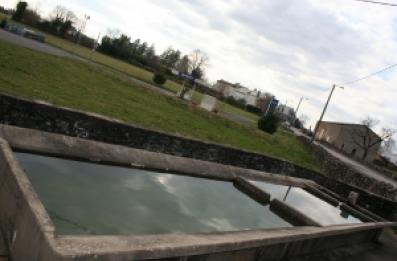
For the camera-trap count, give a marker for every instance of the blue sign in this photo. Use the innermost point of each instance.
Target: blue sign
(186, 76)
(275, 102)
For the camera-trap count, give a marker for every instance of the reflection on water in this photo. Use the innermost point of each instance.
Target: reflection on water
(85, 198)
(310, 205)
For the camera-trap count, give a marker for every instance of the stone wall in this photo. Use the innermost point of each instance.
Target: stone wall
(46, 117)
(345, 173)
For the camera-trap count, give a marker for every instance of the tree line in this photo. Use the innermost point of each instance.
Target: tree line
(141, 53)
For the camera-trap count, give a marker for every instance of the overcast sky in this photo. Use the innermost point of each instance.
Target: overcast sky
(291, 48)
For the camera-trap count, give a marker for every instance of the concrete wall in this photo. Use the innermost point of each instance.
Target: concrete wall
(45, 117)
(29, 233)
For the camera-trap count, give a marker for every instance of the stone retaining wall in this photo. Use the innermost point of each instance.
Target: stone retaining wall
(345, 173)
(45, 117)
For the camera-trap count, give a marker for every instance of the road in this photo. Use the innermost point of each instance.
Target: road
(354, 164)
(237, 118)
(31, 44)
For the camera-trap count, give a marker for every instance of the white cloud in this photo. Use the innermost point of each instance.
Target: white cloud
(291, 48)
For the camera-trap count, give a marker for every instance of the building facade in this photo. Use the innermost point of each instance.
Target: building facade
(237, 91)
(353, 139)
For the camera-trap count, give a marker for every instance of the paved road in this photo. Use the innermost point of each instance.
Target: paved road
(237, 118)
(354, 164)
(35, 45)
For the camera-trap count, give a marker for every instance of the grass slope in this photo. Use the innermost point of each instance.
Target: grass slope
(75, 84)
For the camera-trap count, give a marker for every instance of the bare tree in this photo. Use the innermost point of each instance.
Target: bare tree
(59, 13)
(198, 61)
(366, 139)
(113, 33)
(70, 16)
(304, 119)
(388, 146)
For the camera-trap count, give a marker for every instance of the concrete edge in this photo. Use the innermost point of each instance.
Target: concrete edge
(322, 195)
(44, 143)
(168, 246)
(292, 215)
(357, 213)
(252, 191)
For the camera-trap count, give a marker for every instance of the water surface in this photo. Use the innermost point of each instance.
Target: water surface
(85, 198)
(308, 204)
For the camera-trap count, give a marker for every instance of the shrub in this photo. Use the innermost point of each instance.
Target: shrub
(3, 23)
(159, 78)
(236, 103)
(253, 109)
(269, 124)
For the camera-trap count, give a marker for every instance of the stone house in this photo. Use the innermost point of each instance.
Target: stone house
(356, 140)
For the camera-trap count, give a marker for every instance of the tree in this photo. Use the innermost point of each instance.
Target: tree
(31, 17)
(59, 13)
(142, 49)
(304, 119)
(198, 62)
(366, 139)
(183, 64)
(170, 57)
(197, 73)
(388, 146)
(19, 12)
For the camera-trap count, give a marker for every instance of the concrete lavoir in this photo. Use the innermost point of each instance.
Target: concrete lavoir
(29, 234)
(45, 117)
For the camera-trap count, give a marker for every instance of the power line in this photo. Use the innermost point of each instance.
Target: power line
(372, 74)
(377, 2)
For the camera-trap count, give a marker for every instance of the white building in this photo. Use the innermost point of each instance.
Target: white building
(237, 91)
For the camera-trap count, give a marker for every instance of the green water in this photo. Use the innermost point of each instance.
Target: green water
(308, 204)
(85, 198)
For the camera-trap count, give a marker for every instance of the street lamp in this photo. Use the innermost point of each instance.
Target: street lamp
(324, 110)
(299, 105)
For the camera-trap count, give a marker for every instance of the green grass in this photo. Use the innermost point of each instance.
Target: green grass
(82, 86)
(129, 69)
(135, 72)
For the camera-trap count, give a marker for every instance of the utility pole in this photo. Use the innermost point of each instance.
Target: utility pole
(299, 105)
(324, 110)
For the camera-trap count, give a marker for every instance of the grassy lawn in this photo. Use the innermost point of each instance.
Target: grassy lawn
(135, 72)
(75, 84)
(130, 70)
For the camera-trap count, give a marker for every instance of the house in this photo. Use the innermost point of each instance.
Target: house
(237, 91)
(356, 140)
